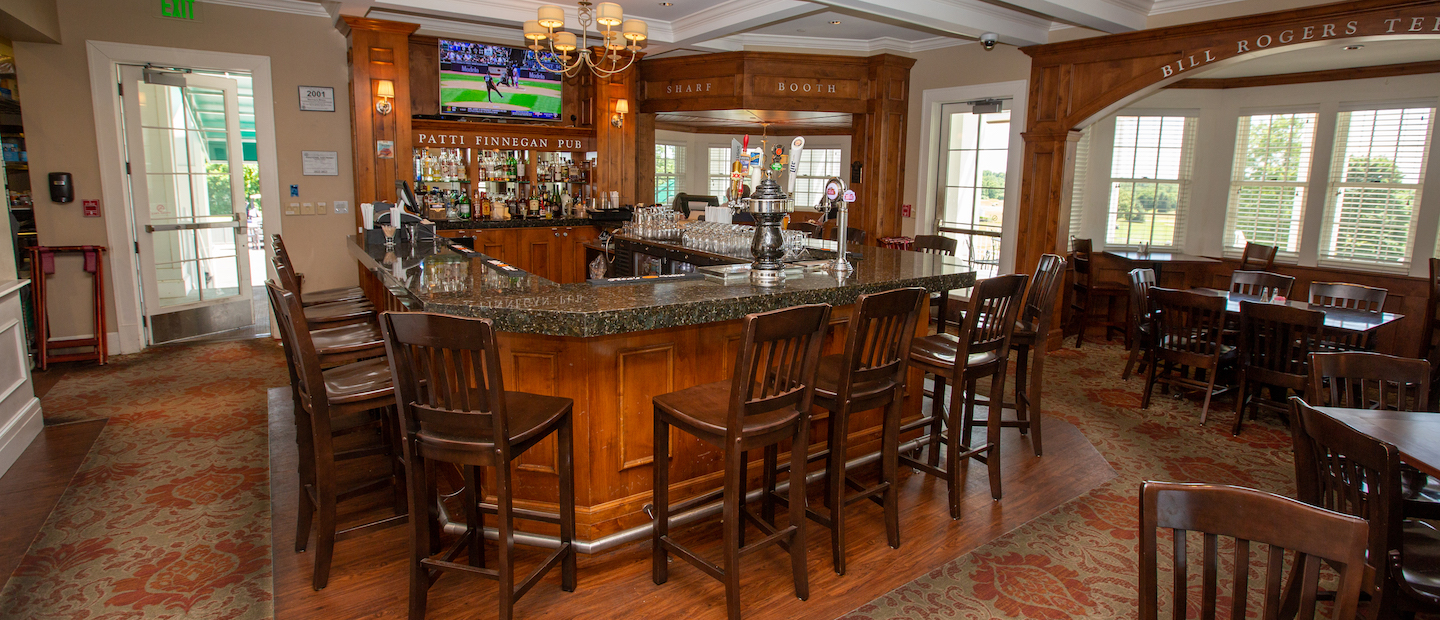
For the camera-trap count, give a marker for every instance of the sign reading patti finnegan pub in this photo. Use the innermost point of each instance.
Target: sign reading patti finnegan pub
(507, 142)
(1418, 24)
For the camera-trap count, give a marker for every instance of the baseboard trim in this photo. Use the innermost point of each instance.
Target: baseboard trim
(17, 435)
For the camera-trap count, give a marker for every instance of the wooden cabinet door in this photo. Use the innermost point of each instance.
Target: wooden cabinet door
(536, 250)
(575, 262)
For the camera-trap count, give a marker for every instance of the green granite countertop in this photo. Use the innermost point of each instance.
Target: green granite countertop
(440, 280)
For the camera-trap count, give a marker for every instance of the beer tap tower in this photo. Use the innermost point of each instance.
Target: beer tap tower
(836, 196)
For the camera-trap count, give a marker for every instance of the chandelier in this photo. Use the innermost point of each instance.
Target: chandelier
(605, 16)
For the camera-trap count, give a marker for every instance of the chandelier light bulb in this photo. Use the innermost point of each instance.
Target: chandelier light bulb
(636, 30)
(533, 31)
(609, 14)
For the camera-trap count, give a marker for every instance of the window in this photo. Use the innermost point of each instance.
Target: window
(669, 171)
(974, 154)
(1375, 181)
(1267, 189)
(1149, 180)
(1077, 185)
(816, 166)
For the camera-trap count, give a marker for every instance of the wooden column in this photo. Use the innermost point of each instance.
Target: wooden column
(1049, 166)
(615, 146)
(878, 142)
(645, 157)
(379, 50)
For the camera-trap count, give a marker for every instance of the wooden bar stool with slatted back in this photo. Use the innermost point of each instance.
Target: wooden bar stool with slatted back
(455, 410)
(329, 314)
(1028, 342)
(335, 409)
(767, 401)
(351, 293)
(943, 246)
(868, 374)
(982, 349)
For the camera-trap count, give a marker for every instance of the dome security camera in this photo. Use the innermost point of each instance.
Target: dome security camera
(989, 40)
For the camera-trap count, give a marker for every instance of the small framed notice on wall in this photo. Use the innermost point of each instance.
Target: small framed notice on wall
(319, 163)
(317, 99)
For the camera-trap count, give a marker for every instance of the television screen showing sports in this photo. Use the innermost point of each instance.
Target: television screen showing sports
(495, 80)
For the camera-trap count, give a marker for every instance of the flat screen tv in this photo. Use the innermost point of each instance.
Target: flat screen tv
(495, 80)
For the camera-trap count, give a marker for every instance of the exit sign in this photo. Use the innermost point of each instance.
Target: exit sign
(180, 9)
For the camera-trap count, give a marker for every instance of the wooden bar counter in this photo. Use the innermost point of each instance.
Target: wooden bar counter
(613, 348)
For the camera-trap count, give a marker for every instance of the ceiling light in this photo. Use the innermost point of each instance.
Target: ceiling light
(667, 4)
(605, 17)
(835, 23)
(1351, 48)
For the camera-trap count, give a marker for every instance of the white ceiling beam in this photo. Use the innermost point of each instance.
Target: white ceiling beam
(724, 19)
(1112, 16)
(965, 18)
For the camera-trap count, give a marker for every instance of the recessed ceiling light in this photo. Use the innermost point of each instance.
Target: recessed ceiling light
(667, 4)
(1351, 48)
(835, 23)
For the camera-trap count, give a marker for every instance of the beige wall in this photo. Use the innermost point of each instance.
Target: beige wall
(60, 128)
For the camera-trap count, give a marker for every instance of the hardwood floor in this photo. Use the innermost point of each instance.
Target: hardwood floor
(369, 575)
(32, 486)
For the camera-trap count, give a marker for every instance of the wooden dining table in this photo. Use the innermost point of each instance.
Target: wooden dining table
(1335, 318)
(1157, 260)
(1415, 433)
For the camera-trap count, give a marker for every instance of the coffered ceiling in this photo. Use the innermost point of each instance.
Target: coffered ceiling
(680, 26)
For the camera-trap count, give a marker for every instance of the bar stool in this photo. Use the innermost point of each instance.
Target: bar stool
(352, 293)
(981, 350)
(1029, 338)
(455, 409)
(766, 402)
(944, 246)
(327, 314)
(869, 374)
(344, 400)
(1085, 290)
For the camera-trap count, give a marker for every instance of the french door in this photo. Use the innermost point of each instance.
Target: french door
(187, 194)
(974, 153)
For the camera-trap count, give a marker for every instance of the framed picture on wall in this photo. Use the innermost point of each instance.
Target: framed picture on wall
(317, 99)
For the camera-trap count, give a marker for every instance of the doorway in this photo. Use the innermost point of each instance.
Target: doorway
(189, 137)
(974, 156)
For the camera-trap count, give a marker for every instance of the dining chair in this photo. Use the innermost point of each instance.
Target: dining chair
(766, 402)
(981, 349)
(456, 412)
(945, 246)
(868, 374)
(1141, 323)
(1084, 291)
(1261, 284)
(1430, 338)
(1245, 517)
(810, 228)
(853, 235)
(310, 298)
(1342, 469)
(1274, 353)
(1187, 340)
(1258, 257)
(1365, 380)
(335, 408)
(1353, 297)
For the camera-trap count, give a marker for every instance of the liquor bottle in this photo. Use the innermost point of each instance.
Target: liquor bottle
(462, 208)
(533, 207)
(484, 212)
(514, 167)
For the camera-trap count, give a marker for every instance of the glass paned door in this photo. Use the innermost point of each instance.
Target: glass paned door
(974, 153)
(186, 166)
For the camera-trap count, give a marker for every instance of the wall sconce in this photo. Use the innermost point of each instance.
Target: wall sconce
(384, 92)
(622, 107)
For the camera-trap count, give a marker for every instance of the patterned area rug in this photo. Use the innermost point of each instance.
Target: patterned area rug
(169, 516)
(1080, 561)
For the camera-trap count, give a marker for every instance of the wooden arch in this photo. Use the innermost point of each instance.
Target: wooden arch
(1075, 83)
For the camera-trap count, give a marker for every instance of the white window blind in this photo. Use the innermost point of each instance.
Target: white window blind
(669, 171)
(1267, 189)
(1376, 177)
(816, 165)
(1149, 180)
(1077, 186)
